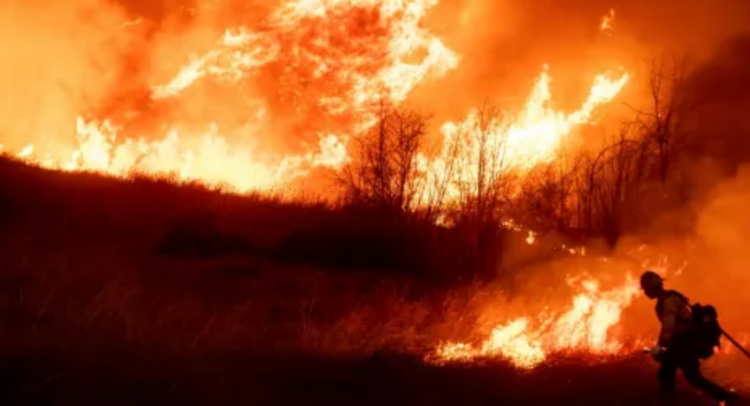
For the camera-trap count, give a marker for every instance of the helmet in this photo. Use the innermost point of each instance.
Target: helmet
(650, 280)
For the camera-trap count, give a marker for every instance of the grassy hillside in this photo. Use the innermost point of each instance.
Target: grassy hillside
(141, 292)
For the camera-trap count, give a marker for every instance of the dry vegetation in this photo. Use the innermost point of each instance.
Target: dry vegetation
(93, 315)
(140, 292)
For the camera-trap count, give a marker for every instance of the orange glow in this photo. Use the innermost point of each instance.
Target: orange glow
(257, 105)
(607, 24)
(511, 143)
(340, 60)
(583, 327)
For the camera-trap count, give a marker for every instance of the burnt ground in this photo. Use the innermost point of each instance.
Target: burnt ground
(94, 312)
(141, 377)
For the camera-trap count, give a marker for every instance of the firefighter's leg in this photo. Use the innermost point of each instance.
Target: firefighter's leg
(691, 370)
(666, 376)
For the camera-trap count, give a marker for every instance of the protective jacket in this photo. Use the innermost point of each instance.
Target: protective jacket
(673, 312)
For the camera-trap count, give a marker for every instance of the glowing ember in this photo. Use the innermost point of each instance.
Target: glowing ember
(608, 22)
(528, 341)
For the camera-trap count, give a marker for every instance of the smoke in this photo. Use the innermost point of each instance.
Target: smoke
(60, 59)
(716, 257)
(706, 257)
(719, 269)
(700, 245)
(56, 59)
(503, 45)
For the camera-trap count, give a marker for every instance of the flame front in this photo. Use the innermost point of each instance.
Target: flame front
(332, 62)
(528, 341)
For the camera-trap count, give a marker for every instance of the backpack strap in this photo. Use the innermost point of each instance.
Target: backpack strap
(667, 293)
(679, 295)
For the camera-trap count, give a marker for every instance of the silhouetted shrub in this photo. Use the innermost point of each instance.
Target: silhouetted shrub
(200, 236)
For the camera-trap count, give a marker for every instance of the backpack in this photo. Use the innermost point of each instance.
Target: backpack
(705, 332)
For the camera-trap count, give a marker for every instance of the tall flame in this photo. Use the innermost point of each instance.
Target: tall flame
(337, 59)
(332, 62)
(507, 142)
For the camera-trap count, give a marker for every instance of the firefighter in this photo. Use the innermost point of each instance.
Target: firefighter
(673, 350)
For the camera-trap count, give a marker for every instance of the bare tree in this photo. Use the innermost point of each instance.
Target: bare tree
(475, 174)
(660, 122)
(480, 165)
(386, 173)
(615, 184)
(547, 198)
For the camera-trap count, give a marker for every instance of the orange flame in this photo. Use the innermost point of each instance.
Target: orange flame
(528, 341)
(346, 55)
(339, 59)
(608, 22)
(511, 143)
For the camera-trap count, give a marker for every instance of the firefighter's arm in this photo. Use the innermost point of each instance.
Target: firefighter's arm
(669, 320)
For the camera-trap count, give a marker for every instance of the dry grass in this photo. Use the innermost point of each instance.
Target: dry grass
(81, 263)
(92, 314)
(203, 305)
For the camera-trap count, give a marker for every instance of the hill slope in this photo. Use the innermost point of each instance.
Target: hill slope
(92, 313)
